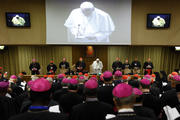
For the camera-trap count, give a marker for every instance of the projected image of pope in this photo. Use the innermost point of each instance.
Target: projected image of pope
(89, 24)
(18, 21)
(158, 22)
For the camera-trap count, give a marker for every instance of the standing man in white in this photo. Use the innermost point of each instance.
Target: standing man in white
(97, 66)
(89, 24)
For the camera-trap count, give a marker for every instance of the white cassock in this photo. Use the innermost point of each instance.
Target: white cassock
(158, 22)
(97, 67)
(93, 28)
(18, 21)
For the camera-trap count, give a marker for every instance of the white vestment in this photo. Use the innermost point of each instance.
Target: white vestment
(93, 28)
(158, 22)
(97, 67)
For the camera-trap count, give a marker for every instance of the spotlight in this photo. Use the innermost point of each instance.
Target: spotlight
(2, 47)
(177, 48)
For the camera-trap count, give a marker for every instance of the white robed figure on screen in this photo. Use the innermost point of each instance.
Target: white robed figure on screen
(97, 66)
(89, 24)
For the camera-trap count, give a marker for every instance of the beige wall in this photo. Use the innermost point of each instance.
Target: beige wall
(143, 36)
(140, 34)
(34, 35)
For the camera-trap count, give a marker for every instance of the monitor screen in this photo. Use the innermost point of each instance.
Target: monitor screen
(158, 20)
(18, 19)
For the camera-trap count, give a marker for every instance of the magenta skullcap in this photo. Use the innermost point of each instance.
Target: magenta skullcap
(137, 91)
(81, 78)
(13, 77)
(60, 76)
(122, 90)
(65, 80)
(118, 73)
(145, 82)
(93, 78)
(4, 85)
(107, 74)
(176, 77)
(91, 84)
(30, 83)
(73, 81)
(40, 85)
(147, 76)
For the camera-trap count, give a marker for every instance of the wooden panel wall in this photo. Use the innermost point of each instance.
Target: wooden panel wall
(100, 51)
(143, 36)
(34, 35)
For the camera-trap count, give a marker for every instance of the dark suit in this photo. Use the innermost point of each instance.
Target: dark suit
(51, 68)
(68, 100)
(146, 68)
(93, 110)
(145, 112)
(42, 115)
(115, 65)
(80, 64)
(105, 93)
(128, 116)
(35, 65)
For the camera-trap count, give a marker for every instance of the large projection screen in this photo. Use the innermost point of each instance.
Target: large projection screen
(58, 11)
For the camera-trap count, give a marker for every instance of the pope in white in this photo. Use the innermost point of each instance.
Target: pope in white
(97, 66)
(158, 22)
(89, 24)
(18, 21)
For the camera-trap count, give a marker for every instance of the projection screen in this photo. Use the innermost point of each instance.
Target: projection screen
(105, 22)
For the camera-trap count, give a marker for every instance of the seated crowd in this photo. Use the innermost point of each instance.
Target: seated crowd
(85, 97)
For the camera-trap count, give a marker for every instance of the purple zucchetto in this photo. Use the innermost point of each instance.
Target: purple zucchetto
(93, 78)
(107, 74)
(65, 80)
(73, 81)
(137, 91)
(145, 82)
(91, 84)
(81, 78)
(122, 90)
(60, 76)
(4, 85)
(176, 77)
(147, 76)
(40, 85)
(13, 77)
(118, 73)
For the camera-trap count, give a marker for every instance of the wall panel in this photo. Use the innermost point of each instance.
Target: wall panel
(34, 35)
(143, 36)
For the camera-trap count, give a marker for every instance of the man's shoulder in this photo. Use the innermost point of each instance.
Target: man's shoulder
(128, 118)
(40, 116)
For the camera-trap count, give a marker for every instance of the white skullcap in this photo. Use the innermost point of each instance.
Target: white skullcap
(86, 5)
(97, 59)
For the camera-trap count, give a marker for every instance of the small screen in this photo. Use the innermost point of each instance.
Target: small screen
(158, 20)
(18, 19)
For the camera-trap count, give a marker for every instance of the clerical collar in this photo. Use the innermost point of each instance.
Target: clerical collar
(125, 110)
(65, 87)
(38, 108)
(137, 105)
(91, 99)
(108, 84)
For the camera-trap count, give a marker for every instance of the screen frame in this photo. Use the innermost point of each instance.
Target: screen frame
(6, 15)
(158, 14)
